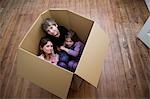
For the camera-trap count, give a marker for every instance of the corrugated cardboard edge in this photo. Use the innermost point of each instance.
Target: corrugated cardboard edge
(92, 59)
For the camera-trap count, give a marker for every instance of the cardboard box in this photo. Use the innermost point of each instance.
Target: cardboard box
(53, 78)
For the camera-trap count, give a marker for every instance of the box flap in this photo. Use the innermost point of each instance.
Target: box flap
(50, 77)
(92, 59)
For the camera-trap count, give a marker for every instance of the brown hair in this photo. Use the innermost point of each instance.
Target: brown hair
(43, 42)
(72, 35)
(48, 22)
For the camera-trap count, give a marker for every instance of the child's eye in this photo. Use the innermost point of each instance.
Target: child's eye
(47, 46)
(54, 24)
(51, 27)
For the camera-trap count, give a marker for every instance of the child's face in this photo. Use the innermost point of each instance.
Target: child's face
(68, 42)
(53, 30)
(48, 48)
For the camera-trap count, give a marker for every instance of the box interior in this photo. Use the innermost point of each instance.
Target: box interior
(80, 25)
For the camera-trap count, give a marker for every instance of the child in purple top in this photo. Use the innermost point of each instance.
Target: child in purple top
(74, 47)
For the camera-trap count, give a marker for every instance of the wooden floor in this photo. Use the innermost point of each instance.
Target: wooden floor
(126, 73)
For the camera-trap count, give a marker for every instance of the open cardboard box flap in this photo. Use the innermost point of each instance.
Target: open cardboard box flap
(92, 59)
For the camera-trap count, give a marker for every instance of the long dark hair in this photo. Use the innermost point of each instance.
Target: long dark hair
(43, 42)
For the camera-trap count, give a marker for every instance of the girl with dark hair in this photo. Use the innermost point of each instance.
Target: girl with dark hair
(46, 51)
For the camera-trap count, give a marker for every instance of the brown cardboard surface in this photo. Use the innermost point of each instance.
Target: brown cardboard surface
(50, 77)
(92, 59)
(45, 14)
(80, 25)
(31, 41)
(61, 17)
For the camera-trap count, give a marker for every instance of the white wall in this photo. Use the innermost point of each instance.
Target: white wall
(144, 34)
(148, 4)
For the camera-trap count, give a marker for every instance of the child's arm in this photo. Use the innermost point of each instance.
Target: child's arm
(64, 49)
(74, 52)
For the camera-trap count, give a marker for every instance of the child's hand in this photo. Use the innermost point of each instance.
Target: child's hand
(54, 59)
(62, 48)
(58, 49)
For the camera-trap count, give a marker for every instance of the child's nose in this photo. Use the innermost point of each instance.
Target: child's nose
(53, 32)
(51, 48)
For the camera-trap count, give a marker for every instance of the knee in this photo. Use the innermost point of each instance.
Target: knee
(64, 58)
(72, 65)
(62, 64)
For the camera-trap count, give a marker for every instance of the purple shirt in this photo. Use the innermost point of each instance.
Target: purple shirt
(76, 50)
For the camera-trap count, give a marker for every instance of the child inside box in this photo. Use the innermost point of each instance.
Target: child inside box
(66, 44)
(74, 47)
(47, 52)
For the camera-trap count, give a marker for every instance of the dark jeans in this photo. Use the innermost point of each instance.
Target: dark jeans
(63, 59)
(64, 62)
(72, 65)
